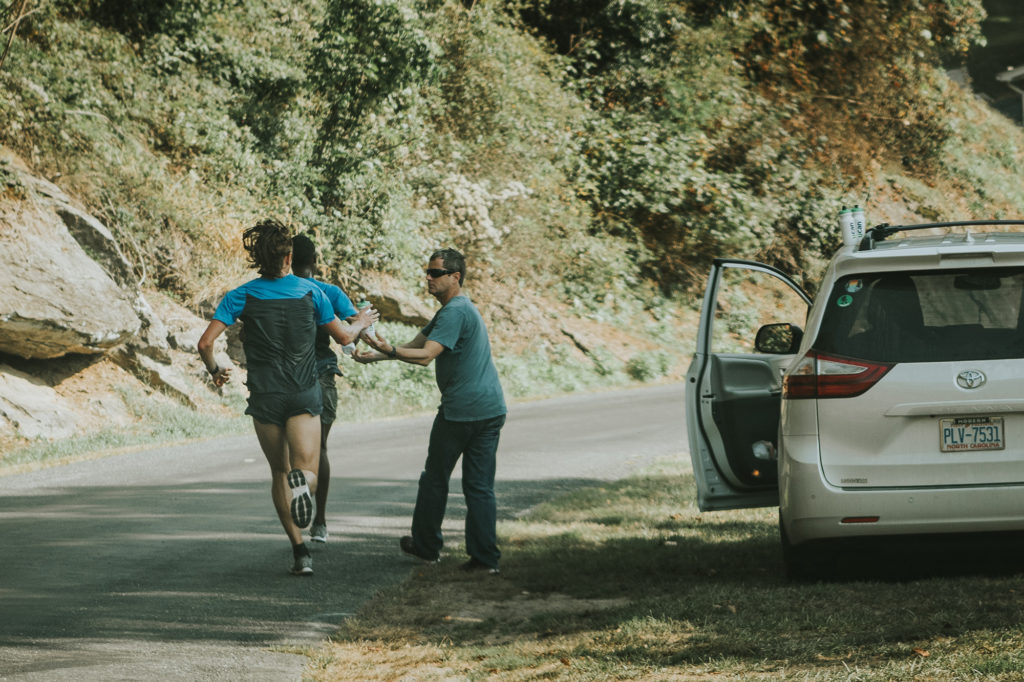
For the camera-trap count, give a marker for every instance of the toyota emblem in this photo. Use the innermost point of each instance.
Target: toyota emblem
(970, 378)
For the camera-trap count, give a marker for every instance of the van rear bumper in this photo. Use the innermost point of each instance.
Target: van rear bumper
(812, 509)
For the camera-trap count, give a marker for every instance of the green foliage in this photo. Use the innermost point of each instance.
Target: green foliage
(686, 156)
(877, 56)
(367, 63)
(683, 160)
(599, 152)
(842, 41)
(649, 365)
(366, 51)
(597, 35)
(11, 185)
(555, 370)
(141, 18)
(606, 364)
(377, 227)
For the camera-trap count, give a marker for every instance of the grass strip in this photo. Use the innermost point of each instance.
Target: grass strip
(630, 581)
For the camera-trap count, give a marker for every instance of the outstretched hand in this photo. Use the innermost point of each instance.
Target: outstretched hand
(365, 357)
(382, 350)
(377, 342)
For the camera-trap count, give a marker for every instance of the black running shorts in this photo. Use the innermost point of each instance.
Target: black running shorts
(278, 408)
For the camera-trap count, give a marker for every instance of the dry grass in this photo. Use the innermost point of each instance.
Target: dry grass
(631, 581)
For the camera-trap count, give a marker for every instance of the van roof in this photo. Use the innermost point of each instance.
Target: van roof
(952, 249)
(878, 235)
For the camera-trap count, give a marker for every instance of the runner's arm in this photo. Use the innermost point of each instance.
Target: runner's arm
(205, 346)
(347, 332)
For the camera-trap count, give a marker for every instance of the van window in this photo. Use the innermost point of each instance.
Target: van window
(928, 316)
(748, 300)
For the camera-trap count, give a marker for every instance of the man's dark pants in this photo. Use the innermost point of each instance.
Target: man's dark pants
(477, 443)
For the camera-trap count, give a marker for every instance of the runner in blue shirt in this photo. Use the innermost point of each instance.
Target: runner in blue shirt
(304, 265)
(282, 313)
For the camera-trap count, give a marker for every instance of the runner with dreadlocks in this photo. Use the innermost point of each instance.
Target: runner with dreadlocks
(281, 313)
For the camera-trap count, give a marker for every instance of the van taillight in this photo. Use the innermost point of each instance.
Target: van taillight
(827, 376)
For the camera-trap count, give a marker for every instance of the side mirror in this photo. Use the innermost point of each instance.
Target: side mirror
(780, 338)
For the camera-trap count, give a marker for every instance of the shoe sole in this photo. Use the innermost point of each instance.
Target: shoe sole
(305, 570)
(302, 504)
(322, 539)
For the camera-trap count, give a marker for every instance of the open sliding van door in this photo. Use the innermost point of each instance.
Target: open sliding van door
(750, 329)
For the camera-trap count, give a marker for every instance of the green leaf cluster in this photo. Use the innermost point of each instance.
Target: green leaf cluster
(601, 151)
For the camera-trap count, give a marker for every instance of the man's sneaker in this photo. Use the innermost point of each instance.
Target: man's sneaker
(318, 532)
(303, 565)
(409, 547)
(474, 566)
(302, 502)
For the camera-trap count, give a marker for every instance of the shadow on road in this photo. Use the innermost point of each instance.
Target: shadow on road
(205, 562)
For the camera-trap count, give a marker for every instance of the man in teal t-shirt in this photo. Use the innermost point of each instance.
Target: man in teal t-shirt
(468, 422)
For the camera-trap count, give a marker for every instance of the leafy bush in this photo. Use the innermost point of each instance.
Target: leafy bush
(648, 365)
(874, 58)
(366, 51)
(690, 160)
(142, 18)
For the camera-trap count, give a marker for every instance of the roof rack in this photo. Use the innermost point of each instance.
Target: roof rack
(885, 230)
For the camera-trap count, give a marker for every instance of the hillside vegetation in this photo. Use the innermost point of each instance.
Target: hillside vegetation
(588, 157)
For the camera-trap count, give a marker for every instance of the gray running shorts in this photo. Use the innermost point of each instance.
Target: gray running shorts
(329, 391)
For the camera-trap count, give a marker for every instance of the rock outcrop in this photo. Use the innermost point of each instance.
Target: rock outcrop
(67, 290)
(56, 299)
(72, 304)
(30, 408)
(389, 298)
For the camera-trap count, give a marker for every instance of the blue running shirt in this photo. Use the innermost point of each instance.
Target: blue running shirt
(326, 360)
(281, 317)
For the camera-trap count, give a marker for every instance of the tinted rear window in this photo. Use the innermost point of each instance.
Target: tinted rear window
(925, 316)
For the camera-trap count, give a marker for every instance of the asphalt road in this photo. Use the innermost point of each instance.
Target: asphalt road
(170, 563)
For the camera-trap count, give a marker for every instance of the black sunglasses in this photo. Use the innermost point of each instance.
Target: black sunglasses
(439, 272)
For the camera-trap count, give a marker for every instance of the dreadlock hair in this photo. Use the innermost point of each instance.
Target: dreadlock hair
(267, 243)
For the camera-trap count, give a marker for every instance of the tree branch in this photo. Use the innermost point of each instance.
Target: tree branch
(14, 29)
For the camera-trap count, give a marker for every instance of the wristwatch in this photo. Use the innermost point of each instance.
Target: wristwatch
(393, 353)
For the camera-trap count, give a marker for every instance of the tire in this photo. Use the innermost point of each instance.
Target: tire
(800, 564)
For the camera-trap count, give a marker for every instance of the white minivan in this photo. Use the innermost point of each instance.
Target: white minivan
(890, 404)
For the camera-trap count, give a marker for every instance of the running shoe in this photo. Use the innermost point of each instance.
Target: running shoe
(303, 565)
(302, 502)
(318, 532)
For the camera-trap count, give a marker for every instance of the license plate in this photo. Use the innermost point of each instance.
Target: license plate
(971, 433)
